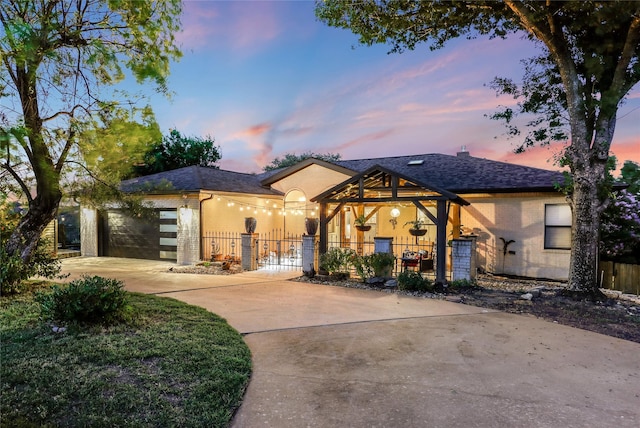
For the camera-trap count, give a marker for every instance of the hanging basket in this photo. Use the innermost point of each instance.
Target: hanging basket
(364, 228)
(418, 232)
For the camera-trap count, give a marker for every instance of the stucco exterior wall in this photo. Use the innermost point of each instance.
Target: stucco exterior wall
(313, 180)
(518, 217)
(224, 212)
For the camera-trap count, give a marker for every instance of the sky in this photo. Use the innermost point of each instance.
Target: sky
(266, 78)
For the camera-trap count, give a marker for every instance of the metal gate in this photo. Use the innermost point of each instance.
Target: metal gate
(278, 250)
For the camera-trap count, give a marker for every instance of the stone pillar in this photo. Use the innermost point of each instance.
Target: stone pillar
(382, 244)
(249, 251)
(464, 259)
(89, 219)
(308, 253)
(188, 236)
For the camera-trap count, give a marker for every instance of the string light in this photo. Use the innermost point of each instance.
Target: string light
(268, 207)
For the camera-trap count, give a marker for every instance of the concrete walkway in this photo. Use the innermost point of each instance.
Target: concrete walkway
(334, 357)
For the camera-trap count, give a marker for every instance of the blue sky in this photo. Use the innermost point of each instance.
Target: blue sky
(265, 78)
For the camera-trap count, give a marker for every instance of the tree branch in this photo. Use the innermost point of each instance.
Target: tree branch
(17, 178)
(628, 51)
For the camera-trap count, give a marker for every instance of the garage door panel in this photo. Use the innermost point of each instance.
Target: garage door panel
(130, 237)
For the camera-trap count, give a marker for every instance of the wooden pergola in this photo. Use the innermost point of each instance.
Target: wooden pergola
(382, 186)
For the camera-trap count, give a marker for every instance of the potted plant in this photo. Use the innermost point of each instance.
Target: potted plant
(417, 227)
(361, 223)
(311, 224)
(382, 264)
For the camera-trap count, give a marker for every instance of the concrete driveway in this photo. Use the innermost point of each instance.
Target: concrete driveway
(334, 357)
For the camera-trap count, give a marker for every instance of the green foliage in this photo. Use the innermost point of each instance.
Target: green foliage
(337, 260)
(361, 220)
(412, 281)
(630, 174)
(620, 221)
(373, 265)
(416, 224)
(177, 151)
(461, 284)
(91, 299)
(292, 159)
(58, 60)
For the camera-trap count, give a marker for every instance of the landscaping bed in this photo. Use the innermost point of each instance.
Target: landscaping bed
(618, 316)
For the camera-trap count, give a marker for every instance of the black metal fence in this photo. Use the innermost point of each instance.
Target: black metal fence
(276, 249)
(279, 250)
(221, 246)
(409, 252)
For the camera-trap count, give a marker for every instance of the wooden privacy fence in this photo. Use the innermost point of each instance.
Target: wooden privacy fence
(620, 276)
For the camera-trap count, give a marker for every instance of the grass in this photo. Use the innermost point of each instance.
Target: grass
(173, 365)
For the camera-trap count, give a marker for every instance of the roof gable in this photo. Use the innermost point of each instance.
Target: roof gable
(279, 174)
(382, 184)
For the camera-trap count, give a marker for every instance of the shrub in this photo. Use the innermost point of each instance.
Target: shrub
(337, 260)
(461, 284)
(376, 264)
(13, 271)
(413, 281)
(91, 299)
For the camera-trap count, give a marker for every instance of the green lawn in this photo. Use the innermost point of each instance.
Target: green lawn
(173, 365)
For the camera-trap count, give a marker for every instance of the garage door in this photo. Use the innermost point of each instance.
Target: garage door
(139, 238)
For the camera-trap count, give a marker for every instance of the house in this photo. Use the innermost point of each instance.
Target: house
(520, 222)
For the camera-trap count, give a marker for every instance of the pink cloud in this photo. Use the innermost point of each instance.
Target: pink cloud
(254, 131)
(229, 25)
(363, 139)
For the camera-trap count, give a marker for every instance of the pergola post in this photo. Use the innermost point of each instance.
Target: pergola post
(324, 234)
(441, 242)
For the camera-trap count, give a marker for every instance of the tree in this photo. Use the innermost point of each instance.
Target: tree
(59, 58)
(291, 159)
(177, 151)
(589, 63)
(620, 228)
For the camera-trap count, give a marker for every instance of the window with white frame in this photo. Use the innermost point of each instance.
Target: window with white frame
(557, 227)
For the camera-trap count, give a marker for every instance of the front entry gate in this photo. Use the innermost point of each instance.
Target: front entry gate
(278, 250)
(275, 250)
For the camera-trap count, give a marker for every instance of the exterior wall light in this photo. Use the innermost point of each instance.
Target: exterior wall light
(395, 213)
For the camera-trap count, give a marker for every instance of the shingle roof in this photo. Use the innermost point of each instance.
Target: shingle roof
(465, 174)
(457, 174)
(196, 178)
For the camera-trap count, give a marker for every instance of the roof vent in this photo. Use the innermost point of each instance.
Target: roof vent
(416, 162)
(463, 152)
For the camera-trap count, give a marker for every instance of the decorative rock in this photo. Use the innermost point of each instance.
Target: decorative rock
(391, 283)
(535, 292)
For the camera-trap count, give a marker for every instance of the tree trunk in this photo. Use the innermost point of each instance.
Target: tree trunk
(24, 239)
(584, 234)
